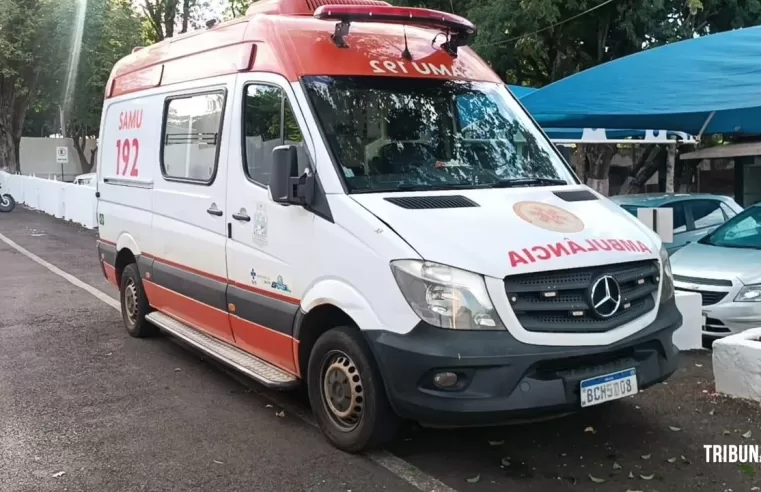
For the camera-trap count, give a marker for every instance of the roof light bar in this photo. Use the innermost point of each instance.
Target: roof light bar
(457, 28)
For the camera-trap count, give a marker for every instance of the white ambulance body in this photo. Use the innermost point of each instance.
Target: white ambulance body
(296, 194)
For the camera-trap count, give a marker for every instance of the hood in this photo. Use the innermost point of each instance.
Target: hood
(714, 262)
(500, 232)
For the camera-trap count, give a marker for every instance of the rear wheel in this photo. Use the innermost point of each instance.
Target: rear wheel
(347, 394)
(134, 304)
(7, 203)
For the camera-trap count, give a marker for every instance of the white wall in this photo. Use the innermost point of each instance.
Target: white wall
(37, 156)
(67, 201)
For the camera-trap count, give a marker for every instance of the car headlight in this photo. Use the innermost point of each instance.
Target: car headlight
(446, 297)
(667, 291)
(749, 293)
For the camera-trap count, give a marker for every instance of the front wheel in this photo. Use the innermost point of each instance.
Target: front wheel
(134, 304)
(347, 394)
(7, 203)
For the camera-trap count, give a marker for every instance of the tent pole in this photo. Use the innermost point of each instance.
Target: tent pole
(705, 125)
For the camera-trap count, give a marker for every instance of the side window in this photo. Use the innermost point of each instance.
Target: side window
(680, 220)
(728, 211)
(268, 122)
(706, 213)
(192, 131)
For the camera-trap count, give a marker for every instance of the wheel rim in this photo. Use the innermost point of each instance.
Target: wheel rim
(342, 391)
(130, 301)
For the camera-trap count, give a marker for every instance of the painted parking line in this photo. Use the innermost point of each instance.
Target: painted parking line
(402, 469)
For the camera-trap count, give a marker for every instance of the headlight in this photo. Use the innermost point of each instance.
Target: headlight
(667, 291)
(749, 293)
(446, 297)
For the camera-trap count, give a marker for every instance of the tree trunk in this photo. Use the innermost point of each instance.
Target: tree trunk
(599, 158)
(185, 15)
(8, 146)
(670, 165)
(80, 140)
(641, 171)
(579, 161)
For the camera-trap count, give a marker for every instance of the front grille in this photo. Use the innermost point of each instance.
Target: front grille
(703, 281)
(708, 297)
(638, 282)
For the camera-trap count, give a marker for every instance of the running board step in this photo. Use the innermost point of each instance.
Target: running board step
(253, 367)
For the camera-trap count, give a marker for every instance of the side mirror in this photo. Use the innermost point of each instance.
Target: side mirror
(286, 186)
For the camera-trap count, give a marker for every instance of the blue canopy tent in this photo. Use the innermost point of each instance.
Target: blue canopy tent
(568, 135)
(706, 85)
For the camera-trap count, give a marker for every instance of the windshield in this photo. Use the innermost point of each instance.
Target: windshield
(742, 231)
(391, 134)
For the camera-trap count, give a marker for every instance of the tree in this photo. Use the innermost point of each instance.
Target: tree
(25, 45)
(165, 17)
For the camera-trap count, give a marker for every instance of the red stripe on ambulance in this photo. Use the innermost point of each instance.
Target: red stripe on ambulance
(570, 248)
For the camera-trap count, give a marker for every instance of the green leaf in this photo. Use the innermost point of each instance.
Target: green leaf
(748, 470)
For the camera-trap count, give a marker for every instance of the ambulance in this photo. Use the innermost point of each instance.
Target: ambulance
(341, 195)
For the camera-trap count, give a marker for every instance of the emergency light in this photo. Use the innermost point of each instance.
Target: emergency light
(457, 29)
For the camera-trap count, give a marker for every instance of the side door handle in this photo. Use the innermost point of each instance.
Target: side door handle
(214, 211)
(242, 216)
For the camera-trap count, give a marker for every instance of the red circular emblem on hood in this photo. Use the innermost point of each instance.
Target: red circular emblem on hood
(548, 217)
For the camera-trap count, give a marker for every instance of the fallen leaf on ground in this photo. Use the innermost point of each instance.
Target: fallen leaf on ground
(281, 413)
(726, 433)
(475, 479)
(671, 460)
(646, 456)
(647, 477)
(675, 429)
(218, 462)
(596, 480)
(698, 365)
(747, 435)
(616, 466)
(712, 412)
(590, 430)
(631, 475)
(177, 369)
(505, 461)
(268, 406)
(748, 470)
(496, 443)
(685, 460)
(59, 474)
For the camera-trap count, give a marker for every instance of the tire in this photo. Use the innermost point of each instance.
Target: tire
(7, 203)
(134, 304)
(367, 421)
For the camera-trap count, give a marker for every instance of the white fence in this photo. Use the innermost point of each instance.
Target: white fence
(67, 201)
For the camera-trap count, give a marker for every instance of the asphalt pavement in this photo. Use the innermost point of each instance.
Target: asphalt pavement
(84, 407)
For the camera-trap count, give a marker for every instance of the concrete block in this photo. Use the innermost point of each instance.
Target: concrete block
(689, 336)
(737, 364)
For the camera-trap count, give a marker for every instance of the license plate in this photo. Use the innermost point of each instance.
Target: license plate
(608, 387)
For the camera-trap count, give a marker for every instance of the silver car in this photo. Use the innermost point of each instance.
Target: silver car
(695, 214)
(725, 268)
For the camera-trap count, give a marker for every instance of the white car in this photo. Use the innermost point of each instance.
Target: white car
(86, 179)
(435, 278)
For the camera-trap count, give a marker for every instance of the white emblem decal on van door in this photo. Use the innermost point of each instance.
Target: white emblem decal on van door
(548, 217)
(260, 225)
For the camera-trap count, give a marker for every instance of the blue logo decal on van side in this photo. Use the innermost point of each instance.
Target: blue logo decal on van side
(279, 285)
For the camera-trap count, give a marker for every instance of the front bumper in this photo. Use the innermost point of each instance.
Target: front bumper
(502, 379)
(728, 318)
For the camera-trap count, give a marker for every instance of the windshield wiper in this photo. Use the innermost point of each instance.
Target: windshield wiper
(417, 187)
(509, 183)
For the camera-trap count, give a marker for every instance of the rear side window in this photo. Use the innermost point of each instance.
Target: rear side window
(192, 133)
(268, 122)
(728, 211)
(706, 213)
(680, 219)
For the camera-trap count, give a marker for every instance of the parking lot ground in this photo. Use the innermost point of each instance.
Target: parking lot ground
(79, 396)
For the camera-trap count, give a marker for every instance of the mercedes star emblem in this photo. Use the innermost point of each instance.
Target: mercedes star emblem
(605, 296)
